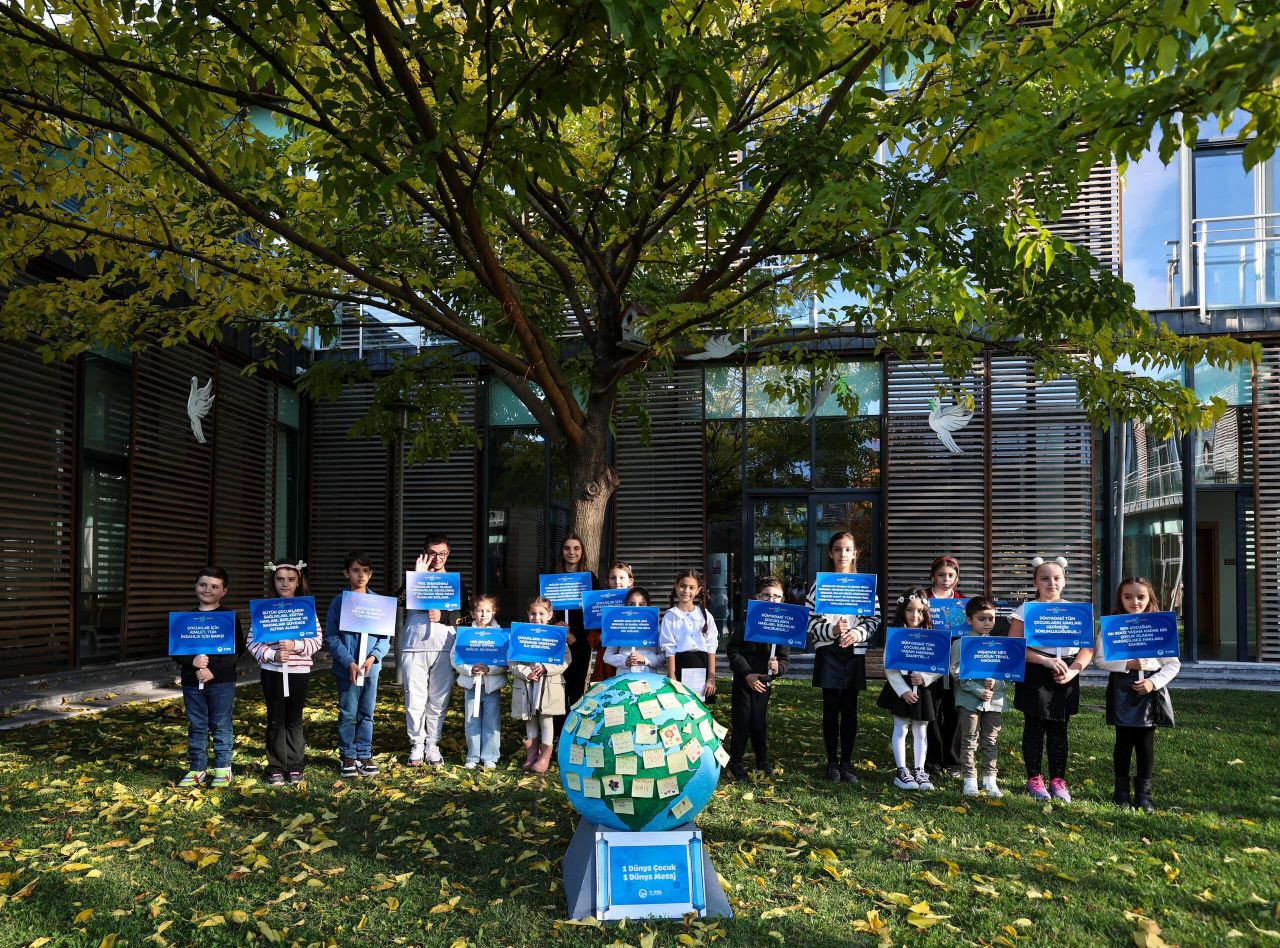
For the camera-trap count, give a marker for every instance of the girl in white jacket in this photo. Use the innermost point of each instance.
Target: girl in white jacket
(1137, 701)
(484, 730)
(636, 659)
(911, 697)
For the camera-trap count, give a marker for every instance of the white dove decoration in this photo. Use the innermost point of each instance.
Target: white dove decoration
(820, 399)
(947, 420)
(198, 404)
(717, 347)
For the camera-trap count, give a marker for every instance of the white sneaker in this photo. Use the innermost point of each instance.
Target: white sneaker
(472, 764)
(989, 785)
(490, 765)
(970, 786)
(922, 780)
(431, 754)
(905, 780)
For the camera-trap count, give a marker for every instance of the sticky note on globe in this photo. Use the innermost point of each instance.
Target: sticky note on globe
(677, 762)
(668, 701)
(646, 734)
(573, 781)
(650, 708)
(639, 687)
(654, 758)
(668, 787)
(595, 755)
(671, 736)
(623, 742)
(614, 716)
(628, 764)
(705, 729)
(591, 788)
(681, 808)
(693, 750)
(623, 806)
(613, 786)
(576, 754)
(642, 787)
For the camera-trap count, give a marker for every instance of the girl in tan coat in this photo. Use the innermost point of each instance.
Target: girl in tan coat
(537, 696)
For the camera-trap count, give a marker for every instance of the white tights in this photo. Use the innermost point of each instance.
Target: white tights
(540, 727)
(919, 738)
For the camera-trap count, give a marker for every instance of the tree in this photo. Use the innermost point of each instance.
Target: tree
(518, 175)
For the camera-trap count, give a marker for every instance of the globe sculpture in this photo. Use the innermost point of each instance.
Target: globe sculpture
(640, 752)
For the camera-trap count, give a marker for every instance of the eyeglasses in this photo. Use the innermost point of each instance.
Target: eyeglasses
(771, 597)
(437, 554)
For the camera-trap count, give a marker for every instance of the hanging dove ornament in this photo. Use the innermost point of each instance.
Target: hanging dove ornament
(947, 421)
(198, 404)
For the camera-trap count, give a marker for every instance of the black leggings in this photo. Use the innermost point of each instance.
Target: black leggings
(839, 722)
(1034, 732)
(1128, 740)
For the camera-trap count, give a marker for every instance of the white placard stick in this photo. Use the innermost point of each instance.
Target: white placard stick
(364, 648)
(199, 682)
(475, 704)
(284, 672)
(535, 698)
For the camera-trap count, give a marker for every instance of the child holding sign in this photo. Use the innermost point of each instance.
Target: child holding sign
(688, 636)
(1050, 695)
(911, 698)
(980, 703)
(538, 706)
(209, 691)
(839, 646)
(638, 658)
(619, 576)
(286, 742)
(483, 729)
(357, 681)
(1137, 701)
(754, 668)
(944, 731)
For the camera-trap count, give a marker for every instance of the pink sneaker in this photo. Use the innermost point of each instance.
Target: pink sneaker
(1035, 787)
(1058, 789)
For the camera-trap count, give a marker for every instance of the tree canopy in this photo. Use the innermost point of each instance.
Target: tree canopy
(516, 175)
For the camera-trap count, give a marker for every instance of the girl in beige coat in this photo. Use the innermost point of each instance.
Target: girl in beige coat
(537, 696)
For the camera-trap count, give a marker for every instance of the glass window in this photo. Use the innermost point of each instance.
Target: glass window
(759, 404)
(108, 407)
(722, 388)
(1233, 385)
(104, 508)
(507, 411)
(287, 406)
(723, 452)
(778, 453)
(864, 379)
(1224, 188)
(1151, 225)
(848, 452)
(516, 462)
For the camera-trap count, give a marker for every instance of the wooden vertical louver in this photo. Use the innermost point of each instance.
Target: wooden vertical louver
(659, 510)
(348, 495)
(1092, 220)
(243, 513)
(1267, 515)
(934, 499)
(170, 498)
(37, 508)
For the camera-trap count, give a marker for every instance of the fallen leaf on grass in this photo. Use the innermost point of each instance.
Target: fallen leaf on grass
(1265, 932)
(922, 917)
(82, 916)
(1148, 934)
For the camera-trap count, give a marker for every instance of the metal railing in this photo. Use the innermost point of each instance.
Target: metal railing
(1152, 488)
(1237, 261)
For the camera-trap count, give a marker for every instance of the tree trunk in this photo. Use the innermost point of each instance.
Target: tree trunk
(592, 481)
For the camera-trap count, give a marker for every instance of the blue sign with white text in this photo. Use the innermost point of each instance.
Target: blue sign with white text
(918, 650)
(532, 644)
(777, 623)
(629, 627)
(424, 590)
(278, 620)
(594, 600)
(640, 875)
(565, 590)
(1058, 624)
(845, 594)
(367, 613)
(949, 614)
(993, 656)
(480, 646)
(202, 633)
(1139, 635)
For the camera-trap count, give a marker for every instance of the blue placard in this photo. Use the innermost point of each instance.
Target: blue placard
(649, 875)
(1139, 635)
(367, 614)
(1058, 624)
(202, 633)
(423, 590)
(949, 614)
(594, 600)
(480, 646)
(277, 620)
(845, 594)
(532, 644)
(629, 627)
(993, 656)
(777, 623)
(918, 650)
(565, 590)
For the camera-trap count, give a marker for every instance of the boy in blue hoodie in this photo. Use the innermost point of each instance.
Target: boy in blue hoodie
(355, 701)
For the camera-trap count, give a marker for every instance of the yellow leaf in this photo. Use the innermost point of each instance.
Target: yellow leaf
(392, 903)
(897, 898)
(324, 844)
(142, 843)
(1256, 850)
(40, 942)
(108, 941)
(933, 880)
(76, 866)
(541, 865)
(1148, 934)
(1171, 872)
(83, 916)
(239, 917)
(445, 906)
(1265, 932)
(208, 860)
(269, 933)
(212, 922)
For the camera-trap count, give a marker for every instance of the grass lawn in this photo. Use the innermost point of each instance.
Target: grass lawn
(95, 842)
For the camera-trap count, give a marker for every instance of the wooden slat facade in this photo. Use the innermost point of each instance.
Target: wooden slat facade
(659, 510)
(1092, 220)
(37, 513)
(1268, 512)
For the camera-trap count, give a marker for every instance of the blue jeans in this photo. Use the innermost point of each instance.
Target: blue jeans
(209, 712)
(484, 731)
(355, 714)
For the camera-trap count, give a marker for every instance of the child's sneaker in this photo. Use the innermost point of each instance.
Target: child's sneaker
(275, 778)
(1035, 787)
(970, 787)
(1058, 790)
(923, 781)
(194, 778)
(490, 765)
(349, 768)
(993, 789)
(416, 757)
(367, 768)
(472, 764)
(431, 754)
(295, 777)
(221, 777)
(905, 780)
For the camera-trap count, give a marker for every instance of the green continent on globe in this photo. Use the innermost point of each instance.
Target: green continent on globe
(640, 752)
